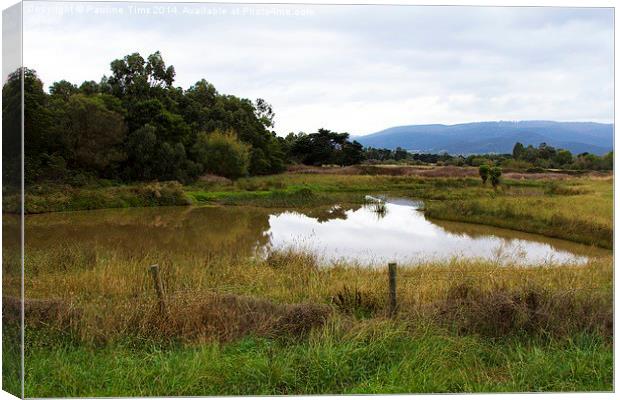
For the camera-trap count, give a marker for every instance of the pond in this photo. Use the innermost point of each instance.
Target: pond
(364, 234)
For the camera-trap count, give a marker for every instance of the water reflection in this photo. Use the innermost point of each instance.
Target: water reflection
(356, 233)
(403, 233)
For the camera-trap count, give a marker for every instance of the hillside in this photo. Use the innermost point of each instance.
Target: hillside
(494, 137)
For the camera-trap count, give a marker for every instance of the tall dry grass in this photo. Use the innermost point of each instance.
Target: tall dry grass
(100, 296)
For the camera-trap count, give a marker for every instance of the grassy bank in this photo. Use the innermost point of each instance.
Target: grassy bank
(285, 325)
(580, 210)
(56, 197)
(319, 186)
(577, 209)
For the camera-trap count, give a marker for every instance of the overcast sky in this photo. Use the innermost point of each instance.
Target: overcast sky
(356, 69)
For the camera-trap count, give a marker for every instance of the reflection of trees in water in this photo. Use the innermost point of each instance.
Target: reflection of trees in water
(326, 214)
(199, 230)
(205, 230)
(196, 230)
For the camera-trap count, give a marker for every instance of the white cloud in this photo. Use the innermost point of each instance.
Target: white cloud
(354, 68)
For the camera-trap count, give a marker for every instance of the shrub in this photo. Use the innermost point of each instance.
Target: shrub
(529, 309)
(222, 153)
(483, 171)
(494, 174)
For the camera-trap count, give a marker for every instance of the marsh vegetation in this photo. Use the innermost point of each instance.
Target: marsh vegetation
(246, 311)
(240, 321)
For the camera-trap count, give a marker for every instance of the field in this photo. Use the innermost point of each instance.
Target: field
(286, 325)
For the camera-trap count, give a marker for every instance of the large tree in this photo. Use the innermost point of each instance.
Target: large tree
(92, 134)
(325, 147)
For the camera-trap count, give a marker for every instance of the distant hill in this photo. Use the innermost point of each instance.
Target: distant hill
(494, 137)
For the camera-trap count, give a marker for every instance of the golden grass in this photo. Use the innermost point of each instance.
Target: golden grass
(114, 294)
(581, 210)
(115, 297)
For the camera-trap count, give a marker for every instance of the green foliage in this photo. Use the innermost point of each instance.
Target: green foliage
(483, 171)
(563, 157)
(545, 156)
(522, 158)
(518, 150)
(91, 135)
(324, 147)
(494, 174)
(222, 153)
(63, 89)
(11, 128)
(135, 125)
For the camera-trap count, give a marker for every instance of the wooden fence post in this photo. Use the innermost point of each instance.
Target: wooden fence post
(159, 289)
(392, 278)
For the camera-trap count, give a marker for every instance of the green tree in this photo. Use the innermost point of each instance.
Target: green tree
(608, 161)
(91, 133)
(64, 89)
(90, 87)
(264, 112)
(39, 137)
(142, 159)
(326, 147)
(563, 157)
(400, 154)
(351, 153)
(134, 76)
(545, 151)
(78, 128)
(495, 174)
(12, 129)
(518, 150)
(483, 171)
(222, 153)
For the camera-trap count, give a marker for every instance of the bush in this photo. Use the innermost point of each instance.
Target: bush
(222, 153)
(494, 174)
(483, 171)
(529, 309)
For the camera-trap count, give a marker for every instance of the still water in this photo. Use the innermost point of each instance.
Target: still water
(336, 233)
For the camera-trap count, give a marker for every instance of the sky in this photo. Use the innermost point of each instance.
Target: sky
(356, 69)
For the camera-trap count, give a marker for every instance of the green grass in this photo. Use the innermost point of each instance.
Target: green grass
(11, 360)
(332, 188)
(378, 358)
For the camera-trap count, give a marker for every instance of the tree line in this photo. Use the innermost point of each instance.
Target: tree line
(136, 125)
(523, 157)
